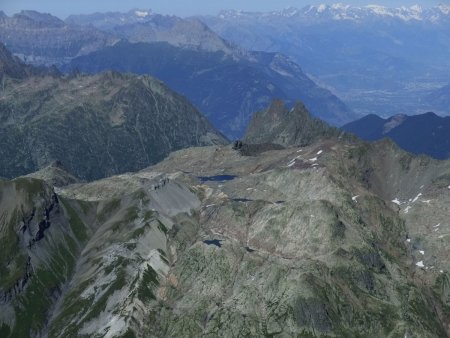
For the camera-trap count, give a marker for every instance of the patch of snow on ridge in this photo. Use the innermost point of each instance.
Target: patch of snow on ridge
(396, 201)
(416, 8)
(416, 198)
(340, 6)
(321, 8)
(142, 14)
(445, 9)
(420, 264)
(379, 10)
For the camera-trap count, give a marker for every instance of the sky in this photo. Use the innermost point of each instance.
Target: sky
(63, 8)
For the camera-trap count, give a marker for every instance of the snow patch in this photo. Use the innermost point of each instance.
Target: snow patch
(319, 152)
(396, 201)
(355, 198)
(379, 10)
(416, 198)
(422, 252)
(420, 264)
(142, 14)
(313, 159)
(321, 8)
(407, 209)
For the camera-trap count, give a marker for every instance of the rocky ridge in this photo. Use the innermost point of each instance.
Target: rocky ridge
(335, 238)
(95, 125)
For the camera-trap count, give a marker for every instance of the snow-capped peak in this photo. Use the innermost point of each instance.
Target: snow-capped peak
(340, 6)
(321, 8)
(444, 9)
(379, 10)
(142, 14)
(341, 11)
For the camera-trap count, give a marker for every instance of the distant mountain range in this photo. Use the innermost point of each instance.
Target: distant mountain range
(96, 126)
(227, 83)
(377, 59)
(440, 98)
(340, 11)
(146, 26)
(227, 89)
(43, 39)
(420, 134)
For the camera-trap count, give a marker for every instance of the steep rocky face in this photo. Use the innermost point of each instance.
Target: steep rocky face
(97, 126)
(419, 134)
(41, 236)
(227, 89)
(305, 241)
(99, 250)
(287, 127)
(43, 39)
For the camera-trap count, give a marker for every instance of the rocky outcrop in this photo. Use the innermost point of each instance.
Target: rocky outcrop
(288, 127)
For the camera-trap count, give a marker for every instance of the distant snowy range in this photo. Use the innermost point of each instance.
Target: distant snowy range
(377, 59)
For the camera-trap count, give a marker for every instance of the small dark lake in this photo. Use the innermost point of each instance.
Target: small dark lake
(242, 200)
(249, 250)
(216, 242)
(218, 178)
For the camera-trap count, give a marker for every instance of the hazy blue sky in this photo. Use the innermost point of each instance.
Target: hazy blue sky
(63, 8)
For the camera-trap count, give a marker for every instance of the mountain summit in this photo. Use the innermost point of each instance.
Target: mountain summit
(96, 125)
(287, 127)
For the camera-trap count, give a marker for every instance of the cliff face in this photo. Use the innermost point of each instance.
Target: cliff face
(43, 39)
(95, 125)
